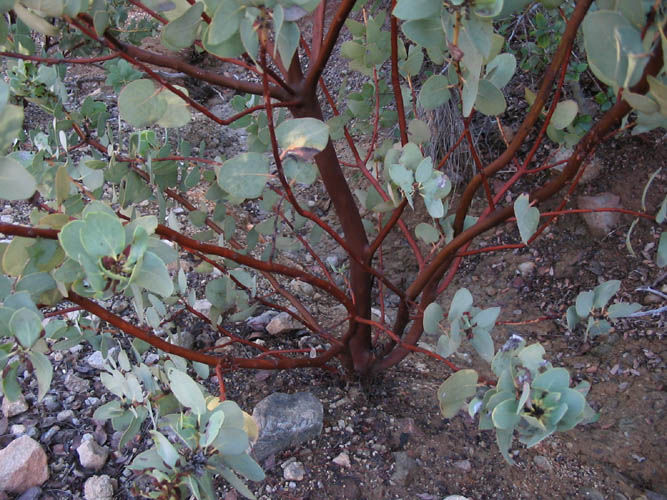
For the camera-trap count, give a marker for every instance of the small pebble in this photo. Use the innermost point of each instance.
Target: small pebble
(342, 459)
(64, 415)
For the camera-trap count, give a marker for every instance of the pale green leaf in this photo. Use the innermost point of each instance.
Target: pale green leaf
(288, 42)
(527, 217)
(490, 101)
(622, 309)
(532, 357)
(43, 372)
(141, 104)
(244, 175)
(610, 40)
(418, 132)
(16, 183)
(483, 343)
(236, 482)
(605, 291)
(661, 259)
(425, 32)
(564, 114)
(11, 124)
(433, 314)
(300, 133)
(658, 90)
(102, 235)
(555, 379)
(34, 21)
(245, 465)
(504, 439)
(640, 102)
(456, 390)
(165, 449)
(225, 22)
(434, 93)
(187, 391)
(408, 10)
(584, 303)
(152, 274)
(178, 111)
(427, 233)
(461, 302)
(500, 70)
(10, 384)
(486, 318)
(505, 416)
(26, 325)
(182, 31)
(249, 37)
(212, 428)
(231, 441)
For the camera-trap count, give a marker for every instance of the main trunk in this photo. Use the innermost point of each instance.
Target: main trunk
(358, 353)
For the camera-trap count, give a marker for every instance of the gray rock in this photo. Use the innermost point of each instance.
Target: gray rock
(22, 465)
(464, 465)
(600, 223)
(96, 360)
(542, 463)
(593, 167)
(652, 495)
(17, 429)
(92, 455)
(283, 322)
(185, 339)
(120, 306)
(294, 471)
(286, 420)
(76, 384)
(13, 408)
(527, 269)
(51, 403)
(332, 260)
(64, 416)
(31, 494)
(343, 459)
(203, 306)
(299, 286)
(258, 323)
(48, 435)
(591, 493)
(401, 433)
(98, 488)
(404, 468)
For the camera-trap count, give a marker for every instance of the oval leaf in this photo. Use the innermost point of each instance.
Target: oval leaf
(434, 93)
(141, 104)
(433, 314)
(181, 32)
(564, 114)
(456, 390)
(527, 217)
(302, 133)
(245, 175)
(187, 391)
(461, 303)
(16, 183)
(490, 101)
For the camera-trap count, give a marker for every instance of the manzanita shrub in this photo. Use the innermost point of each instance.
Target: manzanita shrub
(101, 181)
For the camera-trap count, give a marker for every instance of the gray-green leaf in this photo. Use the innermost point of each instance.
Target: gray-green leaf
(187, 391)
(527, 217)
(456, 390)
